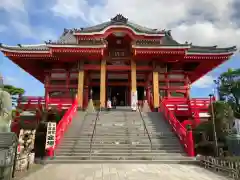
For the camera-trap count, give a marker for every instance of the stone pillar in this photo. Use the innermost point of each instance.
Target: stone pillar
(103, 84)
(80, 84)
(155, 89)
(133, 85)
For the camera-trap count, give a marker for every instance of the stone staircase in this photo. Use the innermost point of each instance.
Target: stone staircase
(120, 137)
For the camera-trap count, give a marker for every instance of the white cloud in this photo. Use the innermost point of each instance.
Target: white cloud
(70, 8)
(12, 5)
(39, 33)
(18, 15)
(188, 19)
(204, 82)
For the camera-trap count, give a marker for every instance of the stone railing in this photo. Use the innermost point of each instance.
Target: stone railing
(226, 167)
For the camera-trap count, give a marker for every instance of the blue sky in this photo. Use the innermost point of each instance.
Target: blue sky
(199, 22)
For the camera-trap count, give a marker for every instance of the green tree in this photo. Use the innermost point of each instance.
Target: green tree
(15, 92)
(228, 85)
(223, 116)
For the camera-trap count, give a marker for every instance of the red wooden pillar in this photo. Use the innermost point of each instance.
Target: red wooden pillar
(190, 143)
(167, 84)
(68, 93)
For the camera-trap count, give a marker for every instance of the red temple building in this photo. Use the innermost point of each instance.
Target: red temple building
(116, 58)
(122, 59)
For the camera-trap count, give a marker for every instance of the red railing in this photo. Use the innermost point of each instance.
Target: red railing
(184, 134)
(62, 126)
(31, 102)
(189, 107)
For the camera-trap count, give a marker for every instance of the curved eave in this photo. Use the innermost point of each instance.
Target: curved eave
(74, 50)
(93, 49)
(17, 53)
(115, 28)
(160, 47)
(191, 54)
(77, 46)
(26, 50)
(170, 50)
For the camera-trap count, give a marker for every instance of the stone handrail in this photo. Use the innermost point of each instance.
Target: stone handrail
(62, 126)
(184, 134)
(227, 167)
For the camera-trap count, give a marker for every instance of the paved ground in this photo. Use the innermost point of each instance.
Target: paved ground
(123, 172)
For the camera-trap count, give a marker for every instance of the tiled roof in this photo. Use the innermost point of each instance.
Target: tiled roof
(117, 20)
(211, 49)
(38, 47)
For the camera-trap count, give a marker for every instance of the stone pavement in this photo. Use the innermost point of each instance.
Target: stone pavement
(123, 172)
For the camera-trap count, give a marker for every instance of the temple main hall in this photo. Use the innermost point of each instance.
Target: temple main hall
(117, 58)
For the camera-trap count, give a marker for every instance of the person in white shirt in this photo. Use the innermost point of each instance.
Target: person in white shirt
(109, 104)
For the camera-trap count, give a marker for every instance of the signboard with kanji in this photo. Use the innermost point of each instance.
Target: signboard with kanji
(51, 135)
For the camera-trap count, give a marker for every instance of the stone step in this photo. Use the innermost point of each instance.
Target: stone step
(99, 132)
(66, 135)
(132, 136)
(107, 157)
(161, 142)
(123, 124)
(122, 154)
(121, 138)
(113, 130)
(119, 151)
(119, 127)
(119, 146)
(121, 141)
(159, 161)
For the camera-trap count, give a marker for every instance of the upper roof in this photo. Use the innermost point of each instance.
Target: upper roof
(117, 20)
(69, 39)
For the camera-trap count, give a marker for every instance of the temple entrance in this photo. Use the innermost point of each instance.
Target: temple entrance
(120, 92)
(96, 93)
(140, 91)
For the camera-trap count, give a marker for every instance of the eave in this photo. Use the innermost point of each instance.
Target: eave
(76, 46)
(117, 28)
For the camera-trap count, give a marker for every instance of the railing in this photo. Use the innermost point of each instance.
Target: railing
(31, 102)
(145, 127)
(184, 134)
(196, 108)
(226, 167)
(62, 126)
(93, 132)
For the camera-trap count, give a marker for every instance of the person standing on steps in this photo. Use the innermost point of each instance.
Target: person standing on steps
(114, 102)
(109, 104)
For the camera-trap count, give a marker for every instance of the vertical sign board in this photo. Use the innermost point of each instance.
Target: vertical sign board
(51, 135)
(134, 101)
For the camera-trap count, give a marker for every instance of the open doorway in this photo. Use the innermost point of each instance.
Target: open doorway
(120, 92)
(140, 91)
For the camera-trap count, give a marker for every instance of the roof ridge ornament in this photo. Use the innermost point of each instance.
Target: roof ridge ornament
(119, 18)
